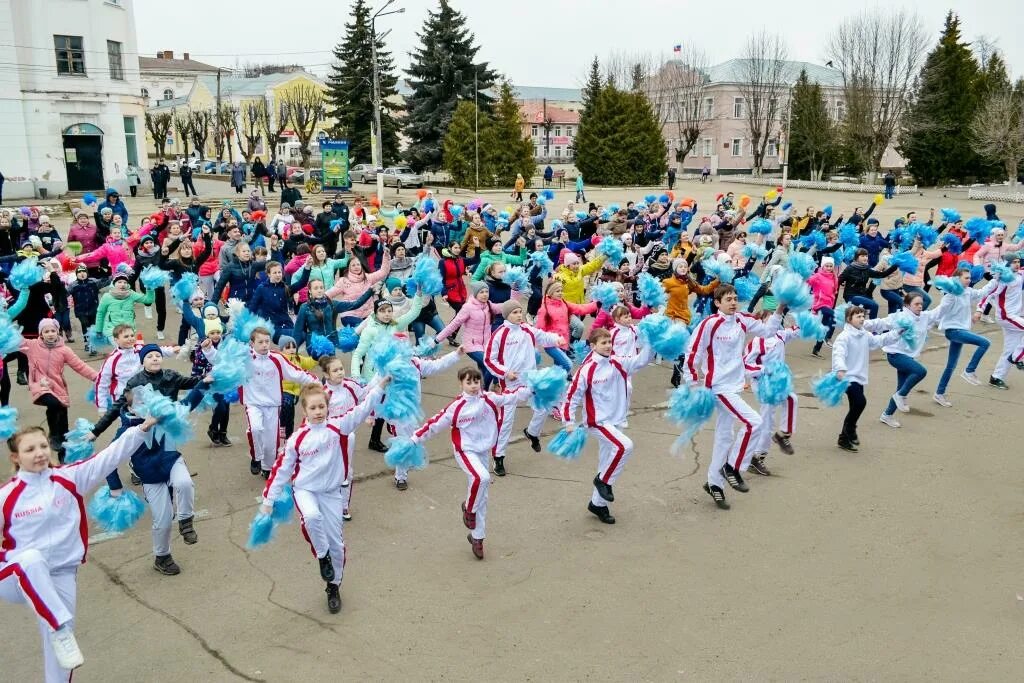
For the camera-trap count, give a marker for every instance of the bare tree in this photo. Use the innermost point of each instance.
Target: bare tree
(159, 125)
(201, 120)
(273, 122)
(248, 125)
(226, 124)
(998, 131)
(183, 127)
(308, 108)
(878, 55)
(678, 91)
(763, 85)
(984, 47)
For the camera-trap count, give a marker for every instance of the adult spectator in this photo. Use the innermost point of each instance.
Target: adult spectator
(889, 180)
(271, 174)
(259, 172)
(671, 178)
(160, 176)
(186, 180)
(282, 175)
(134, 179)
(549, 173)
(237, 177)
(114, 203)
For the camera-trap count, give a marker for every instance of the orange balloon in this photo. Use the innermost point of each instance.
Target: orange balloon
(375, 201)
(744, 200)
(421, 193)
(671, 195)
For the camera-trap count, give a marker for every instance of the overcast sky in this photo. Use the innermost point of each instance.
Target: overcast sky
(535, 42)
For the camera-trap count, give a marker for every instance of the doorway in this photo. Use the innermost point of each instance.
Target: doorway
(83, 158)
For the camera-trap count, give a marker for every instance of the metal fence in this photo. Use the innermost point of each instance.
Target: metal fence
(991, 195)
(828, 185)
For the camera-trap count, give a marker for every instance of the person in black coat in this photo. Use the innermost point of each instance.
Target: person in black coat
(186, 180)
(259, 172)
(85, 293)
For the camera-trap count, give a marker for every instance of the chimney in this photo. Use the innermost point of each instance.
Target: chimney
(168, 54)
(185, 57)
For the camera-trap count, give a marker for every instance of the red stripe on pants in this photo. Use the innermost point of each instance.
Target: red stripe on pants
(30, 592)
(747, 431)
(620, 450)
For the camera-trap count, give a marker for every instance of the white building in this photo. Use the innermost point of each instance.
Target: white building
(166, 78)
(72, 117)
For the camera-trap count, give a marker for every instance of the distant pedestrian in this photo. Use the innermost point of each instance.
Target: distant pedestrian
(517, 191)
(671, 178)
(259, 172)
(549, 173)
(282, 175)
(705, 174)
(237, 177)
(134, 179)
(580, 197)
(2, 189)
(890, 184)
(271, 174)
(160, 175)
(186, 179)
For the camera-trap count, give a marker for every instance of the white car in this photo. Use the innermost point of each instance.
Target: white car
(402, 176)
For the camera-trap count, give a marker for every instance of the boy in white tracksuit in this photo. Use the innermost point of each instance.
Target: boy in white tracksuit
(625, 339)
(1005, 297)
(603, 386)
(716, 349)
(119, 366)
(261, 395)
(760, 352)
(45, 536)
(512, 352)
(317, 456)
(474, 419)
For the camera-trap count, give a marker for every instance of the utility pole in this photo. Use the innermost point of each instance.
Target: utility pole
(378, 147)
(476, 130)
(785, 154)
(216, 118)
(547, 128)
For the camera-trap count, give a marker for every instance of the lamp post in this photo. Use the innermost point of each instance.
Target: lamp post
(378, 147)
(785, 154)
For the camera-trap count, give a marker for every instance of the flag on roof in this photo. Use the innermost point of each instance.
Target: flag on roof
(677, 48)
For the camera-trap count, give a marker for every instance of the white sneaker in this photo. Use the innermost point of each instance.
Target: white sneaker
(901, 403)
(970, 378)
(890, 420)
(149, 312)
(65, 648)
(942, 400)
(624, 424)
(160, 335)
(987, 319)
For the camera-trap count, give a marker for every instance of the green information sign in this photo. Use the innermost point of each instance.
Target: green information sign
(334, 161)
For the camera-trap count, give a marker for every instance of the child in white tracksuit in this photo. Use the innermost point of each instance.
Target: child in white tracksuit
(262, 395)
(1005, 298)
(45, 536)
(119, 366)
(317, 457)
(603, 386)
(762, 351)
(716, 348)
(474, 418)
(512, 352)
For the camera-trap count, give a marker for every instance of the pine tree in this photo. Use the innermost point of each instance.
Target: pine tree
(946, 99)
(350, 90)
(507, 150)
(643, 145)
(459, 146)
(441, 73)
(620, 142)
(812, 147)
(592, 89)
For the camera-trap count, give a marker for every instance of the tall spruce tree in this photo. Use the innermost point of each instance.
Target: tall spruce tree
(350, 90)
(459, 146)
(592, 88)
(620, 142)
(812, 146)
(946, 99)
(441, 73)
(508, 151)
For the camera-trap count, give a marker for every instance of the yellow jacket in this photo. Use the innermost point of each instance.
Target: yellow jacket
(573, 290)
(678, 290)
(304, 362)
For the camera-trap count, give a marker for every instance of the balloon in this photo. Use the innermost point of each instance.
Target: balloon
(421, 193)
(779, 189)
(770, 195)
(401, 221)
(744, 200)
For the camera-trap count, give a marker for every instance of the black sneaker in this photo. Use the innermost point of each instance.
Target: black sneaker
(187, 531)
(534, 441)
(846, 444)
(677, 377)
(854, 440)
(377, 446)
(265, 474)
(734, 478)
(718, 495)
(326, 568)
(1019, 364)
(453, 342)
(817, 353)
(604, 490)
(223, 439)
(758, 467)
(997, 383)
(401, 485)
(166, 566)
(254, 467)
(602, 513)
(214, 436)
(499, 466)
(333, 598)
(22, 378)
(781, 439)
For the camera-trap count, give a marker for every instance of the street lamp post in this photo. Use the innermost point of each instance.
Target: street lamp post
(785, 154)
(378, 147)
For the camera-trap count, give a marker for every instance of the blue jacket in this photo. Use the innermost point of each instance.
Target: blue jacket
(117, 207)
(242, 279)
(874, 245)
(271, 302)
(317, 316)
(86, 295)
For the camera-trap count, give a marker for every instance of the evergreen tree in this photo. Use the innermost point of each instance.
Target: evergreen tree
(812, 147)
(592, 88)
(946, 99)
(459, 146)
(620, 142)
(994, 77)
(507, 150)
(441, 73)
(350, 90)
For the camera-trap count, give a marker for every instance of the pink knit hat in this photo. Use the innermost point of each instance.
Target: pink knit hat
(570, 259)
(48, 322)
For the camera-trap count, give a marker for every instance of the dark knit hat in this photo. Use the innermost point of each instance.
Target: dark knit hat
(148, 349)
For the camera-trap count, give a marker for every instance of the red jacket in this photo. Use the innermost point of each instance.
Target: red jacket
(553, 316)
(453, 272)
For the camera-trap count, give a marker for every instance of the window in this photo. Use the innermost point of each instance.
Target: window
(145, 93)
(772, 149)
(70, 55)
(737, 107)
(533, 131)
(709, 107)
(558, 152)
(537, 153)
(706, 145)
(737, 147)
(840, 110)
(568, 131)
(168, 94)
(568, 152)
(114, 58)
(130, 141)
(558, 131)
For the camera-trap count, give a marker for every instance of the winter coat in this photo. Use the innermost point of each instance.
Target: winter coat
(824, 286)
(87, 236)
(372, 330)
(489, 257)
(679, 290)
(874, 246)
(116, 253)
(349, 287)
(240, 278)
(117, 207)
(317, 316)
(481, 233)
(86, 295)
(237, 176)
(114, 311)
(573, 290)
(453, 274)
(48, 363)
(553, 316)
(270, 301)
(475, 319)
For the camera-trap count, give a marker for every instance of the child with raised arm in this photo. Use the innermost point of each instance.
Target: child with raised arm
(45, 536)
(120, 365)
(316, 462)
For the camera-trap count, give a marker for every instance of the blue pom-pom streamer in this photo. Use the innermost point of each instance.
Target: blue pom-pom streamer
(184, 288)
(802, 264)
(171, 416)
(76, 444)
(760, 226)
(810, 325)
(116, 514)
(813, 240)
(830, 389)
(926, 234)
(848, 236)
(547, 194)
(1001, 272)
(775, 383)
(426, 347)
(978, 229)
(406, 453)
(348, 339)
(517, 279)
(97, 340)
(8, 422)
(233, 367)
(542, 262)
(950, 215)
(427, 277)
(568, 445)
(791, 290)
(650, 198)
(663, 199)
(667, 337)
(25, 273)
(690, 407)
(905, 323)
(231, 396)
(90, 394)
(605, 294)
(10, 336)
(650, 291)
(319, 345)
(247, 322)
(827, 210)
(154, 277)
(840, 315)
(580, 350)
(746, 287)
(754, 251)
(580, 215)
(88, 199)
(1019, 235)
(261, 531)
(548, 386)
(283, 507)
(949, 285)
(612, 249)
(952, 243)
(786, 206)
(723, 271)
(392, 356)
(905, 262)
(504, 216)
(455, 210)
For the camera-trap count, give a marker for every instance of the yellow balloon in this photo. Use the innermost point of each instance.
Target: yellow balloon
(770, 195)
(878, 199)
(401, 221)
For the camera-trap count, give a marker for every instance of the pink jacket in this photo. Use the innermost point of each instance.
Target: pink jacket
(991, 252)
(48, 363)
(116, 253)
(604, 318)
(475, 319)
(212, 264)
(553, 316)
(86, 236)
(824, 287)
(348, 288)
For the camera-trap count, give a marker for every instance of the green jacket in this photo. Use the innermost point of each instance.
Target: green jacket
(373, 329)
(113, 311)
(487, 258)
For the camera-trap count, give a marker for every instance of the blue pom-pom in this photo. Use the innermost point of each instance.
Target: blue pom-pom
(848, 236)
(905, 261)
(754, 251)
(810, 325)
(612, 249)
(90, 394)
(650, 291)
(171, 416)
(319, 345)
(691, 407)
(25, 273)
(760, 226)
(542, 262)
(605, 294)
(426, 347)
(953, 244)
(950, 285)
(231, 396)
(827, 210)
(950, 215)
(283, 507)
(246, 322)
(1001, 272)
(505, 215)
(840, 315)
(154, 277)
(666, 337)
(923, 232)
(568, 445)
(813, 240)
(429, 205)
(406, 453)
(517, 279)
(261, 531)
(830, 389)
(184, 288)
(233, 367)
(724, 272)
(791, 290)
(81, 431)
(580, 215)
(427, 277)
(580, 350)
(906, 324)
(79, 450)
(455, 210)
(97, 340)
(348, 339)
(802, 264)
(547, 194)
(786, 206)
(1019, 235)
(978, 229)
(775, 383)
(651, 198)
(392, 356)
(746, 287)
(8, 422)
(88, 199)
(548, 386)
(116, 514)
(10, 336)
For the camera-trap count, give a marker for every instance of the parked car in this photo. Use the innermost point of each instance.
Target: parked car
(209, 167)
(402, 176)
(191, 162)
(362, 173)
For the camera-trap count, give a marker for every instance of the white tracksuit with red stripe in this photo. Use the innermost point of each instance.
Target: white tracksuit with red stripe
(344, 396)
(261, 396)
(474, 423)
(603, 386)
(716, 349)
(46, 536)
(760, 352)
(513, 348)
(118, 367)
(316, 460)
(1005, 297)
(625, 340)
